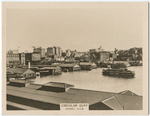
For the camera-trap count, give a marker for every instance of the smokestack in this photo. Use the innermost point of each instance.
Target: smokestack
(65, 87)
(28, 64)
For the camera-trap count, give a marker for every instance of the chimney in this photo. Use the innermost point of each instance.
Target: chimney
(65, 87)
(28, 64)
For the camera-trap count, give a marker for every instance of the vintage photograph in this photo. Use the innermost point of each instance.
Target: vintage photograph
(75, 57)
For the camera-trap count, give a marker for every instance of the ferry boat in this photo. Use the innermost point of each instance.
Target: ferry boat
(118, 72)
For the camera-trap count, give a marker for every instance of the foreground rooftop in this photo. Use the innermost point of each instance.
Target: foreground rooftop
(33, 97)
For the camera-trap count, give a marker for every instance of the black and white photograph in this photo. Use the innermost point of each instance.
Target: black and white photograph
(75, 58)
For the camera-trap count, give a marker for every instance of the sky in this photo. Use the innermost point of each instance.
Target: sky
(75, 29)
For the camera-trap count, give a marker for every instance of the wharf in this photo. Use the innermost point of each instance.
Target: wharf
(33, 97)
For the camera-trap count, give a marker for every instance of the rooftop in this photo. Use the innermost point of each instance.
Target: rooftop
(56, 84)
(19, 70)
(68, 65)
(116, 101)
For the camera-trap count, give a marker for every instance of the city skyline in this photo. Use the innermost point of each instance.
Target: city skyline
(75, 29)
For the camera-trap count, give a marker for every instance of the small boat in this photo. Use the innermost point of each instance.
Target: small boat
(118, 72)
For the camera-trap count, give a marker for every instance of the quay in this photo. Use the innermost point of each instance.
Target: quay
(49, 96)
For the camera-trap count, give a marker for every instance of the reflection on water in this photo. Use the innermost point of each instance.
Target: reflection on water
(94, 80)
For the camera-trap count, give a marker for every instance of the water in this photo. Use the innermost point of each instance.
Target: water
(94, 80)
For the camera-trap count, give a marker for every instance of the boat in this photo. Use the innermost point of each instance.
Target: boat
(118, 72)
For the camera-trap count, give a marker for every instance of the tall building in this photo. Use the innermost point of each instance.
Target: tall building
(39, 50)
(54, 51)
(50, 51)
(22, 58)
(43, 52)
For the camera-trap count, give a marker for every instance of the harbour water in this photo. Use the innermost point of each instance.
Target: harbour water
(94, 80)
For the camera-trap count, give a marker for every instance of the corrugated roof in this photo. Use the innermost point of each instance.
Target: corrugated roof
(77, 96)
(85, 63)
(17, 70)
(51, 67)
(127, 92)
(127, 102)
(67, 65)
(56, 84)
(113, 103)
(18, 81)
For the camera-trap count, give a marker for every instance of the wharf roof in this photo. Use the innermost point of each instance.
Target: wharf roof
(86, 63)
(114, 100)
(55, 65)
(127, 92)
(68, 65)
(19, 70)
(18, 81)
(56, 84)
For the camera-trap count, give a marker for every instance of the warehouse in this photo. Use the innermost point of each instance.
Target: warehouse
(70, 67)
(33, 97)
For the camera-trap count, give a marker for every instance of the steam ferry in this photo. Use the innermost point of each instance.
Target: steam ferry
(118, 72)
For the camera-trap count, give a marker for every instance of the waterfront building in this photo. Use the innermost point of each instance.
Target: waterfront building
(86, 65)
(23, 72)
(60, 59)
(124, 62)
(70, 67)
(28, 98)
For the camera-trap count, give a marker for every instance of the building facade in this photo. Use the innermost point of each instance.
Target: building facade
(50, 51)
(104, 56)
(54, 51)
(28, 58)
(39, 50)
(22, 58)
(68, 53)
(36, 56)
(12, 59)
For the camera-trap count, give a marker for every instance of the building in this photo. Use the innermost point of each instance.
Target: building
(28, 58)
(22, 58)
(70, 67)
(54, 51)
(92, 50)
(12, 59)
(23, 72)
(68, 53)
(36, 58)
(50, 51)
(50, 95)
(61, 87)
(42, 52)
(39, 50)
(124, 62)
(104, 56)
